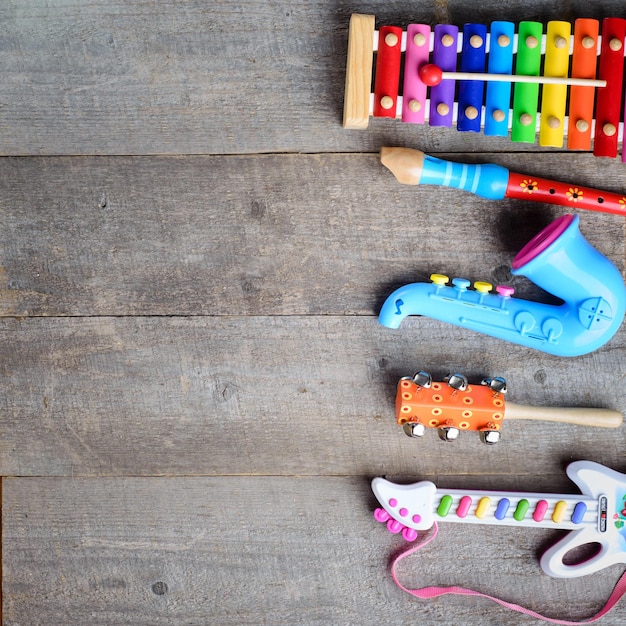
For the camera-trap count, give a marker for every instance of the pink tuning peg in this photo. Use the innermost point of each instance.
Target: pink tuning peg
(394, 526)
(409, 534)
(380, 515)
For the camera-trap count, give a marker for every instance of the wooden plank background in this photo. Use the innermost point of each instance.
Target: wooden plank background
(195, 389)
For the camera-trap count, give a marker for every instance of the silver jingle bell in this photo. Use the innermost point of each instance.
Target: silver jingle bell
(498, 384)
(490, 437)
(456, 381)
(423, 379)
(414, 429)
(449, 433)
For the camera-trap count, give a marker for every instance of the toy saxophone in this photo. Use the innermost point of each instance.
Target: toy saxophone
(596, 516)
(560, 261)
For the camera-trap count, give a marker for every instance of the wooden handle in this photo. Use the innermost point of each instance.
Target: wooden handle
(601, 418)
(405, 164)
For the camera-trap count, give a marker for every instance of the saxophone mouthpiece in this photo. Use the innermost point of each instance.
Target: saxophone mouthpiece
(404, 163)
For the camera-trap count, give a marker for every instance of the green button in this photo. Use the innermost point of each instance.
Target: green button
(521, 510)
(444, 506)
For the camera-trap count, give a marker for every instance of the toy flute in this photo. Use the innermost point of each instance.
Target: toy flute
(494, 182)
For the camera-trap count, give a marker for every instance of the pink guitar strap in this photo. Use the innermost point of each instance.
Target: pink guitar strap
(434, 592)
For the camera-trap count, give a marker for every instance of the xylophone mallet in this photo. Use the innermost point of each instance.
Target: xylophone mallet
(494, 182)
(431, 75)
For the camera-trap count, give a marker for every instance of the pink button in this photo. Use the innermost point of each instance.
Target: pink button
(505, 291)
(540, 510)
(404, 512)
(393, 502)
(464, 506)
(417, 518)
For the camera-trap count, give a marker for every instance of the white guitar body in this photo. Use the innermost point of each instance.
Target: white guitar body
(597, 516)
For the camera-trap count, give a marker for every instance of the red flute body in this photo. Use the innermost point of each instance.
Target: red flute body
(522, 187)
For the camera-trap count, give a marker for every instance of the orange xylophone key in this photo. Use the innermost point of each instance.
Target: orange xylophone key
(584, 64)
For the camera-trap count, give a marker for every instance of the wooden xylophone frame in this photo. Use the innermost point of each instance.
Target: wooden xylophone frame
(383, 80)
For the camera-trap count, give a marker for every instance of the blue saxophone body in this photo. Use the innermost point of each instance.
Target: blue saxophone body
(560, 261)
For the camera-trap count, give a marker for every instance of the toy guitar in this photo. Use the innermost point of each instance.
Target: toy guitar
(454, 405)
(597, 516)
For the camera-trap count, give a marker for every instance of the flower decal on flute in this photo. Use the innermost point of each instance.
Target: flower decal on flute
(574, 194)
(528, 185)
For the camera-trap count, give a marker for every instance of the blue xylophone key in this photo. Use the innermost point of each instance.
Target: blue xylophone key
(473, 57)
(498, 98)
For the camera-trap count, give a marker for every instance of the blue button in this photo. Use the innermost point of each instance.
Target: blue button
(579, 512)
(502, 508)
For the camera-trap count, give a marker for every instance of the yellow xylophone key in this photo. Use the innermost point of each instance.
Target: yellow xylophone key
(554, 97)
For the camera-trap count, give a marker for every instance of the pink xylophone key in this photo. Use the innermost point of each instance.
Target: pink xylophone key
(414, 92)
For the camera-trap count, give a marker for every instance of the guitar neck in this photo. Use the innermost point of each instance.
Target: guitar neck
(419, 505)
(538, 510)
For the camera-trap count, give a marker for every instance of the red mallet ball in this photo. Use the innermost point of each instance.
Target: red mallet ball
(430, 75)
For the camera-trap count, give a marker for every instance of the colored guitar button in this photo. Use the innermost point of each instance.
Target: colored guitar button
(579, 512)
(559, 511)
(520, 510)
(541, 509)
(483, 507)
(444, 506)
(502, 508)
(464, 506)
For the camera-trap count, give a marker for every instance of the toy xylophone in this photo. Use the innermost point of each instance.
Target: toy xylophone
(453, 405)
(556, 83)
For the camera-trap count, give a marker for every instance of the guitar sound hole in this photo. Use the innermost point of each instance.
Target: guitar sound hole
(580, 554)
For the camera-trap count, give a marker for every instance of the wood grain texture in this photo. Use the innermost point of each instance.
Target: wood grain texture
(262, 550)
(195, 392)
(117, 77)
(260, 235)
(277, 396)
